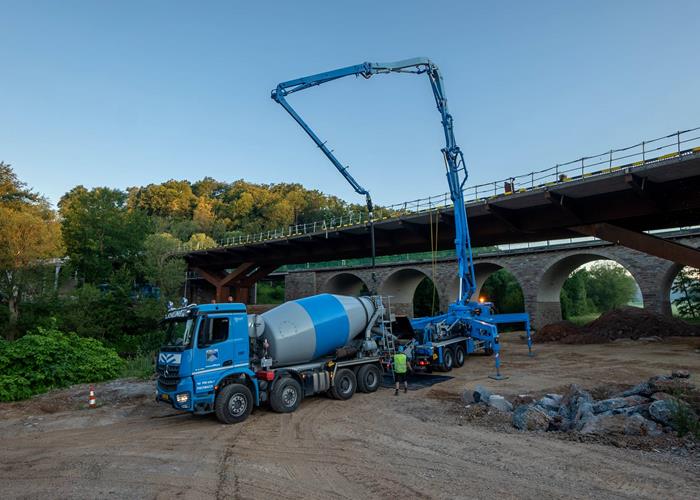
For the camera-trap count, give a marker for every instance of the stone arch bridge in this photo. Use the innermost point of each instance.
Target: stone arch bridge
(541, 273)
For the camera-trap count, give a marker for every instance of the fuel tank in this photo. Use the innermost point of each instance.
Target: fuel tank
(305, 329)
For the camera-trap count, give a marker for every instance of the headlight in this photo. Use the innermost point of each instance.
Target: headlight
(182, 398)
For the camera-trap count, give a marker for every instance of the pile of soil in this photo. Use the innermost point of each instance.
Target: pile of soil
(624, 323)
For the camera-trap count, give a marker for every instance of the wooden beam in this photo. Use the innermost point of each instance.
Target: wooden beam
(237, 273)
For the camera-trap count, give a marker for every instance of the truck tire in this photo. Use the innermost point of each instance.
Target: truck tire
(459, 356)
(448, 359)
(368, 378)
(344, 384)
(286, 395)
(233, 404)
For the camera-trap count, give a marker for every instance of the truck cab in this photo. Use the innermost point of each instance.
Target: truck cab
(207, 347)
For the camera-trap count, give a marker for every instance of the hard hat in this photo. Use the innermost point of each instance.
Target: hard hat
(401, 348)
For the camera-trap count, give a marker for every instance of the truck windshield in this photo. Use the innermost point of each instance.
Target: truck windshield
(178, 332)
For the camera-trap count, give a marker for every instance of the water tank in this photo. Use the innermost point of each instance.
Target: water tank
(303, 330)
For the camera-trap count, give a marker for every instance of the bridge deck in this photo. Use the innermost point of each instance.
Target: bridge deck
(663, 194)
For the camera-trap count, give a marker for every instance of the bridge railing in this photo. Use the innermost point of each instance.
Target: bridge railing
(677, 144)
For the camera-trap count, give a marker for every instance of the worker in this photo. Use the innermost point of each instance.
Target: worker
(401, 367)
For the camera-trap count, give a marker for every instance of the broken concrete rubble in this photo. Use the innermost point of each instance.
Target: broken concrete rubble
(647, 409)
(530, 418)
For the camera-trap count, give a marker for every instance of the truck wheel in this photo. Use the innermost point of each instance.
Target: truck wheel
(286, 395)
(488, 351)
(233, 404)
(368, 378)
(459, 356)
(344, 384)
(448, 359)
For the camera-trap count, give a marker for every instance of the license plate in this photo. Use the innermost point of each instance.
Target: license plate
(165, 396)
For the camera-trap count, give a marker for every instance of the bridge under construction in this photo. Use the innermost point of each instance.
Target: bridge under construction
(616, 196)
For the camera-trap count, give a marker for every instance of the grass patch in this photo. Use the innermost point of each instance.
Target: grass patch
(140, 366)
(684, 418)
(584, 319)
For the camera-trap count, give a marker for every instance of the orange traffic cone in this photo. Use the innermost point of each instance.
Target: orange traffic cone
(91, 402)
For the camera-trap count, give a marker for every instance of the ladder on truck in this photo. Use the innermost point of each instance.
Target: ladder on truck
(388, 340)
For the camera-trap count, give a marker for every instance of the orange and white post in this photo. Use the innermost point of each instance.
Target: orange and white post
(91, 401)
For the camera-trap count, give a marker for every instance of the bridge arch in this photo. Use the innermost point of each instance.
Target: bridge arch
(401, 286)
(548, 292)
(483, 270)
(344, 283)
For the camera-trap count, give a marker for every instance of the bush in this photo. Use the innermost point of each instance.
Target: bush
(684, 418)
(142, 366)
(48, 358)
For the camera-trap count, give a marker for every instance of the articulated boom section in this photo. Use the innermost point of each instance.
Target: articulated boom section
(472, 322)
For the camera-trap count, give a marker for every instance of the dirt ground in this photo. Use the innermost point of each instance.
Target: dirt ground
(418, 445)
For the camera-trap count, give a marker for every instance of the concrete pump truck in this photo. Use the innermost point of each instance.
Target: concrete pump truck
(219, 359)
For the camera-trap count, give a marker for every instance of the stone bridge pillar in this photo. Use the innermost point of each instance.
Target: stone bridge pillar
(299, 284)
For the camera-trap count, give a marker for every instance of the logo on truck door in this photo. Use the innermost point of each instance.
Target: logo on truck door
(212, 355)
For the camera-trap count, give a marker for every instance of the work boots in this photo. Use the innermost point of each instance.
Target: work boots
(405, 389)
(396, 392)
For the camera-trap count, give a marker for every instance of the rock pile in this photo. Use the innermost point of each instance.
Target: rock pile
(646, 409)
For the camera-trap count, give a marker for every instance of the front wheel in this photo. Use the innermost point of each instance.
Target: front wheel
(368, 378)
(233, 404)
(286, 395)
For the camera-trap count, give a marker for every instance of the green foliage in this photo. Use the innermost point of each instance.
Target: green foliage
(686, 287)
(685, 421)
(270, 292)
(115, 316)
(425, 299)
(574, 296)
(48, 358)
(609, 286)
(29, 235)
(13, 192)
(584, 319)
(504, 291)
(200, 241)
(600, 288)
(100, 232)
(141, 366)
(160, 267)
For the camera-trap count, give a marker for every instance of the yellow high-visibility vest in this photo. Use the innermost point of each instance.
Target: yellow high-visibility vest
(400, 363)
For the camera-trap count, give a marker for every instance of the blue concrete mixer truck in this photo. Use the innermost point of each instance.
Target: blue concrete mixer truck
(217, 358)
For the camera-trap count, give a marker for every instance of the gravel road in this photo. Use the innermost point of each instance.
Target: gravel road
(375, 445)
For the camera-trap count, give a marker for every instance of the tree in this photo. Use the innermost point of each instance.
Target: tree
(504, 291)
(160, 267)
(13, 192)
(687, 287)
(425, 299)
(574, 296)
(169, 199)
(609, 286)
(28, 236)
(100, 233)
(200, 241)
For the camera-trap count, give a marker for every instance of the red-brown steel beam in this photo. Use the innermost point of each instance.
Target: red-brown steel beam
(647, 243)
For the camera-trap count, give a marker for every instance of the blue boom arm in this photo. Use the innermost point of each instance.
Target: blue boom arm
(454, 160)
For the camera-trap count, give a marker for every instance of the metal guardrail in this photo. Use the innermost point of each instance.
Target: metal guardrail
(677, 144)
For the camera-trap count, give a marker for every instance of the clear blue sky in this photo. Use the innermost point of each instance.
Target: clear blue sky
(127, 93)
